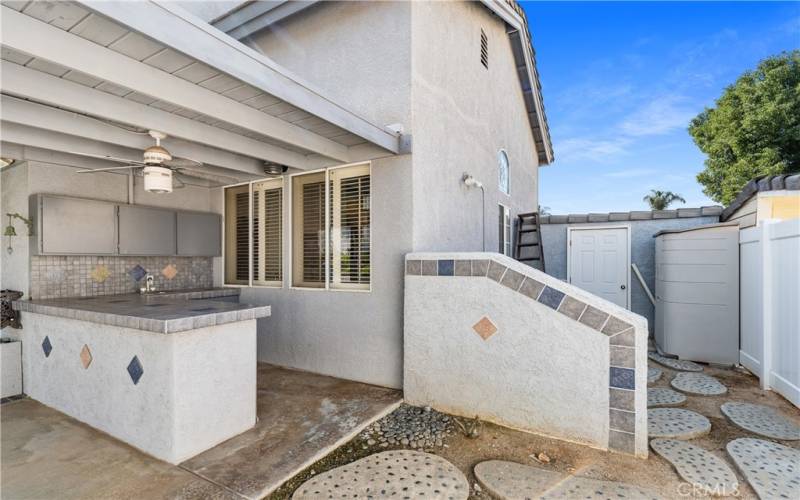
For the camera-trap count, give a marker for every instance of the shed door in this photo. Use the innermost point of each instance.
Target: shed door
(598, 262)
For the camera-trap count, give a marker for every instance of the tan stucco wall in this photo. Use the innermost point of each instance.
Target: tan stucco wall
(774, 205)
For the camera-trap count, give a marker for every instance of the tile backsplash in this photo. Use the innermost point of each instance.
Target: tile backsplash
(86, 276)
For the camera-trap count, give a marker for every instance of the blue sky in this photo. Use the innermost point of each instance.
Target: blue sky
(621, 82)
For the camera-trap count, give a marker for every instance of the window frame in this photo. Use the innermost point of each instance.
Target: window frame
(328, 249)
(506, 190)
(506, 213)
(250, 280)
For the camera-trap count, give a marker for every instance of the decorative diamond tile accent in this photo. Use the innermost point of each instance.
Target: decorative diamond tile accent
(138, 272)
(170, 271)
(446, 268)
(86, 356)
(485, 328)
(135, 370)
(47, 347)
(100, 273)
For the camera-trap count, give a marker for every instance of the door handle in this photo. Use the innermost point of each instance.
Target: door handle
(622, 287)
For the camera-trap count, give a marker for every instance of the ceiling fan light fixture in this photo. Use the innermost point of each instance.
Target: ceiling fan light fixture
(156, 155)
(157, 179)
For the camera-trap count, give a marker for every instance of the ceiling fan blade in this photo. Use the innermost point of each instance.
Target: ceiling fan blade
(183, 163)
(107, 169)
(199, 174)
(107, 157)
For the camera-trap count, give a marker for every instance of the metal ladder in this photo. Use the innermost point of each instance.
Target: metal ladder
(528, 247)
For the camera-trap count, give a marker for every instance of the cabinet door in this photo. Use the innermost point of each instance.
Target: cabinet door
(77, 226)
(146, 231)
(199, 234)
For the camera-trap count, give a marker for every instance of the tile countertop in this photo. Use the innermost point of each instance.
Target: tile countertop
(170, 312)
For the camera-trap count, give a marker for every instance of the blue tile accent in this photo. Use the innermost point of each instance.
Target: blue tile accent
(446, 268)
(551, 297)
(623, 378)
(135, 370)
(47, 346)
(138, 272)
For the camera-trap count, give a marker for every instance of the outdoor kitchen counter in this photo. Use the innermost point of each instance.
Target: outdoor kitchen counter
(172, 374)
(159, 313)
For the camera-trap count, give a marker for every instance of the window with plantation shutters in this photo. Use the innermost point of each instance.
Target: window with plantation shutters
(350, 227)
(267, 233)
(253, 233)
(308, 230)
(331, 229)
(237, 239)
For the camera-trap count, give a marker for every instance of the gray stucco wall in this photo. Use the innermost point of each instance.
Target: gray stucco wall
(463, 115)
(377, 59)
(643, 248)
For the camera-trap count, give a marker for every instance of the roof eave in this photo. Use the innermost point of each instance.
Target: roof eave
(525, 59)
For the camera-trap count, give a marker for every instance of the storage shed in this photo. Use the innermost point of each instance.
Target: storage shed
(604, 245)
(697, 293)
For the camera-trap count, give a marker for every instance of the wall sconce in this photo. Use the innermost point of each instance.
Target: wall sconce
(10, 232)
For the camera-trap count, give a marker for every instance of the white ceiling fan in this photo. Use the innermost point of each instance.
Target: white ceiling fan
(158, 166)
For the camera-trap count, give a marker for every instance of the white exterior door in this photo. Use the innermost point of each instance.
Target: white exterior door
(598, 262)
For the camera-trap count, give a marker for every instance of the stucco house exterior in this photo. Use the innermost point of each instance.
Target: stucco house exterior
(335, 165)
(460, 113)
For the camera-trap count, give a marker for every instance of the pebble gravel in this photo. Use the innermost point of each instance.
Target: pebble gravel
(410, 426)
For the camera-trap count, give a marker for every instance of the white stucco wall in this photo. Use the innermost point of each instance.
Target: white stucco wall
(197, 390)
(542, 371)
(463, 114)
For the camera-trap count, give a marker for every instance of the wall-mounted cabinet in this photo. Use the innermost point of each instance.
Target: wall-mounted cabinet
(78, 226)
(74, 226)
(146, 231)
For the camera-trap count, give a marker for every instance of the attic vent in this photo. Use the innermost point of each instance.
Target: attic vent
(484, 50)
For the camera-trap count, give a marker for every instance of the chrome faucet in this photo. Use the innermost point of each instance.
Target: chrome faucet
(149, 284)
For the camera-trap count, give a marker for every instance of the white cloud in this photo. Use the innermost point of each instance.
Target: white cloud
(657, 117)
(578, 148)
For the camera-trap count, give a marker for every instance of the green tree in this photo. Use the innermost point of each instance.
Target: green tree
(660, 200)
(753, 130)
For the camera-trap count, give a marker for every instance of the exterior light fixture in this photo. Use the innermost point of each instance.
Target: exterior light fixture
(10, 232)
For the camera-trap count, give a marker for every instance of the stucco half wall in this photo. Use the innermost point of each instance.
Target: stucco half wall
(487, 336)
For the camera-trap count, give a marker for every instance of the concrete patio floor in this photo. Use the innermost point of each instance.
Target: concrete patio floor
(301, 417)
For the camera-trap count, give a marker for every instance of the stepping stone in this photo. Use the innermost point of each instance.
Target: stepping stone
(699, 384)
(761, 420)
(510, 480)
(676, 423)
(772, 469)
(698, 467)
(402, 473)
(676, 364)
(653, 374)
(661, 396)
(581, 487)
